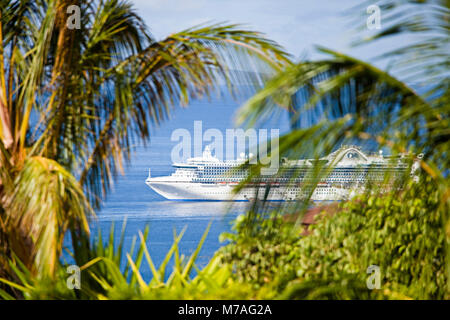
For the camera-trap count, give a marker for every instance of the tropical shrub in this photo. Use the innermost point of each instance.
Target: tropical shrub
(403, 234)
(113, 274)
(260, 250)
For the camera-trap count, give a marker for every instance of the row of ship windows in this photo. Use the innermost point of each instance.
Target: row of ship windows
(344, 173)
(220, 179)
(302, 170)
(340, 177)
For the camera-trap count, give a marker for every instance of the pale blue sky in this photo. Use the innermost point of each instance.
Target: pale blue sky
(297, 25)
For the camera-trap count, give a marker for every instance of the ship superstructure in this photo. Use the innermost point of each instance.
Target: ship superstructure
(338, 176)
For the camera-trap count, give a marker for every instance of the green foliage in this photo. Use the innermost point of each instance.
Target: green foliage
(259, 250)
(401, 232)
(270, 257)
(104, 277)
(38, 217)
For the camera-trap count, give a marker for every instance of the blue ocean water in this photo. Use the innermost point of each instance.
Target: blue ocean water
(133, 200)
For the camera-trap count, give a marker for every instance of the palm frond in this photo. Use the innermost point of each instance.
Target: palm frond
(424, 60)
(330, 89)
(43, 202)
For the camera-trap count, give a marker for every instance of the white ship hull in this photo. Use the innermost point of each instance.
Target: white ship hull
(224, 192)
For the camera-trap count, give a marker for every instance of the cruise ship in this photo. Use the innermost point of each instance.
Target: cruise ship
(343, 174)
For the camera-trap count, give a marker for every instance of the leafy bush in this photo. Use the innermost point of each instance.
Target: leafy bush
(261, 247)
(105, 276)
(401, 233)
